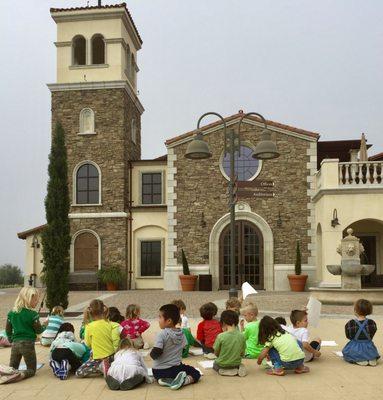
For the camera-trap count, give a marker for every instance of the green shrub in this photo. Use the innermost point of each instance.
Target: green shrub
(298, 260)
(111, 275)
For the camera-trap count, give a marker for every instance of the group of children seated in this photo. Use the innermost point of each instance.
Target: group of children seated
(110, 342)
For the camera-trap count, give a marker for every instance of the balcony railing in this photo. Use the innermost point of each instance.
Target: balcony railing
(348, 175)
(360, 174)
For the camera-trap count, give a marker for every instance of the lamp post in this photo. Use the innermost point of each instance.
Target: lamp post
(198, 149)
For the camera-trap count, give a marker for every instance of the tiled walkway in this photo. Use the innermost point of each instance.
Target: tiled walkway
(330, 378)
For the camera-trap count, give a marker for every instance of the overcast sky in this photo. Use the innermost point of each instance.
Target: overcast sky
(316, 65)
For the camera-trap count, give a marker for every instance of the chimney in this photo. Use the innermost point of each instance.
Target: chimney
(99, 3)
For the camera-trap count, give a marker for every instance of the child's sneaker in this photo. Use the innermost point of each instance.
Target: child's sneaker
(302, 369)
(242, 371)
(210, 356)
(10, 378)
(228, 371)
(5, 370)
(373, 363)
(275, 371)
(56, 366)
(178, 381)
(165, 382)
(362, 363)
(113, 384)
(64, 370)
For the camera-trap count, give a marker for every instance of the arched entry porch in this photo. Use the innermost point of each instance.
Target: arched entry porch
(256, 226)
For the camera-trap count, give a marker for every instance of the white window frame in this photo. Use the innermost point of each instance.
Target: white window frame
(91, 50)
(260, 164)
(73, 241)
(163, 192)
(86, 52)
(74, 181)
(151, 239)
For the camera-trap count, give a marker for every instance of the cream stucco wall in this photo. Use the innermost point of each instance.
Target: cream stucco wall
(33, 259)
(111, 25)
(352, 204)
(149, 223)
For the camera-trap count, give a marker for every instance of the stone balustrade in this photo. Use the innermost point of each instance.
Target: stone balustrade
(362, 173)
(342, 175)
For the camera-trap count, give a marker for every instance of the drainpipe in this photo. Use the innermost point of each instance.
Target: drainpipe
(130, 221)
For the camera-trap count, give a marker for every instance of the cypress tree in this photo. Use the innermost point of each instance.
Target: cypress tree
(56, 236)
(298, 260)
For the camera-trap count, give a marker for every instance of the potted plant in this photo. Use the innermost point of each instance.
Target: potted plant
(111, 276)
(188, 281)
(298, 281)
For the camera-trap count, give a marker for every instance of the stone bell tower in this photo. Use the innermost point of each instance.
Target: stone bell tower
(95, 99)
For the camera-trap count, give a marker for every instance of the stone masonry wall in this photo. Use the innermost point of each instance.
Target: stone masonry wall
(113, 237)
(201, 188)
(111, 149)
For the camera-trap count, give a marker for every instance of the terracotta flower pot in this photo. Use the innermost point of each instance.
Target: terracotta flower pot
(188, 282)
(297, 282)
(111, 287)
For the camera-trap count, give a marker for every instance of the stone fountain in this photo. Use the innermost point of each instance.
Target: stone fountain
(351, 271)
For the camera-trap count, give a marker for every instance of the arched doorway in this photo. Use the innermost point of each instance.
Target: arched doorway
(86, 252)
(370, 233)
(248, 257)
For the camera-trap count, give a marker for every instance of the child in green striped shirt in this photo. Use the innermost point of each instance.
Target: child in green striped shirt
(52, 323)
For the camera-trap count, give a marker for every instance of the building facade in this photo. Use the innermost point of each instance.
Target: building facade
(139, 214)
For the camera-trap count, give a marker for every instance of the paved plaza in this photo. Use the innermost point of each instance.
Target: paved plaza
(330, 377)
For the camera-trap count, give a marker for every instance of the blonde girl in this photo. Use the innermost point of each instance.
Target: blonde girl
(22, 328)
(133, 326)
(53, 324)
(101, 338)
(128, 369)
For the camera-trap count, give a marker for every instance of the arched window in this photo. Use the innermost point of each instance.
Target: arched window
(78, 50)
(87, 185)
(98, 49)
(86, 252)
(134, 131)
(128, 67)
(87, 121)
(133, 69)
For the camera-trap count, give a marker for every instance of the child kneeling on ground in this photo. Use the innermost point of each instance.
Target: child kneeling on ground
(229, 347)
(167, 352)
(128, 369)
(282, 348)
(361, 349)
(67, 354)
(23, 326)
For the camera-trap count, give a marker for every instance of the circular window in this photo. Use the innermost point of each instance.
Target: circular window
(246, 167)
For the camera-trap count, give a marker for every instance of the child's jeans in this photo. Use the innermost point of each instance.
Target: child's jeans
(60, 354)
(172, 372)
(278, 363)
(94, 367)
(26, 349)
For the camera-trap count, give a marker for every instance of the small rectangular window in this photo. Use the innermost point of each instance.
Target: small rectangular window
(151, 258)
(151, 190)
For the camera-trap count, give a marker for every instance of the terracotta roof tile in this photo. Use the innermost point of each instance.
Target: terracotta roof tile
(228, 119)
(23, 235)
(376, 157)
(55, 10)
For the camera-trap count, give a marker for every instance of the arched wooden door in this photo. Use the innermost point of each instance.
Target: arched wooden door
(86, 252)
(248, 255)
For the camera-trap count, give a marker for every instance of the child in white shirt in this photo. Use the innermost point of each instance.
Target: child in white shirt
(299, 330)
(128, 369)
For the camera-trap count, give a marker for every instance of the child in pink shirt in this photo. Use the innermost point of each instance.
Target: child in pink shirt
(133, 326)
